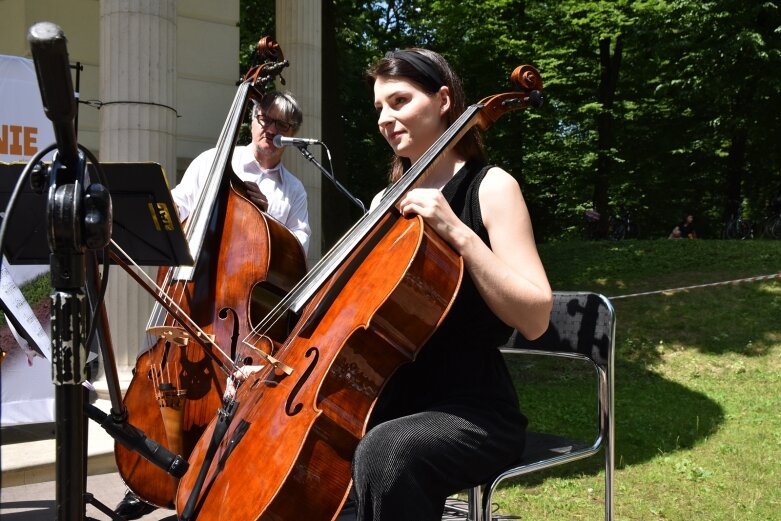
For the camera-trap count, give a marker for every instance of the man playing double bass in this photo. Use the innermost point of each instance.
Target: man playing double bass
(271, 186)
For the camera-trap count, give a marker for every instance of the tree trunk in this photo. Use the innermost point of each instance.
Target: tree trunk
(609, 67)
(736, 164)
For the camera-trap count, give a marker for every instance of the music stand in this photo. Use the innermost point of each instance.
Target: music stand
(146, 226)
(145, 223)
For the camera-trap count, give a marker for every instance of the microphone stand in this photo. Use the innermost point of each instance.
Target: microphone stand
(65, 179)
(79, 219)
(308, 155)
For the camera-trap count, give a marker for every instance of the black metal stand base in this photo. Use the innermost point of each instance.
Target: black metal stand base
(89, 499)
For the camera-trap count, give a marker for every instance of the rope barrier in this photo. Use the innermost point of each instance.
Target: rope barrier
(722, 283)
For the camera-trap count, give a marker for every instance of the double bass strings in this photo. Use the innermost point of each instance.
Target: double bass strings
(202, 336)
(195, 227)
(203, 207)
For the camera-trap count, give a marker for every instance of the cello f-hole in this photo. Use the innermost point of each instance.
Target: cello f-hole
(289, 408)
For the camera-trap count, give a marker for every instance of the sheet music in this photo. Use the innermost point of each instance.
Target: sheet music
(33, 340)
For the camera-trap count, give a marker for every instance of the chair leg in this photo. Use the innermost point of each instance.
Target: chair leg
(609, 468)
(475, 504)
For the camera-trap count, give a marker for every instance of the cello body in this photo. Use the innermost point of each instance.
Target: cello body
(282, 448)
(292, 438)
(252, 261)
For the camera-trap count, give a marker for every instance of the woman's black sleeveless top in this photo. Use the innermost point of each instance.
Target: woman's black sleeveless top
(461, 363)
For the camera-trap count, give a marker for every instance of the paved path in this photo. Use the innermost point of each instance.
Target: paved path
(36, 502)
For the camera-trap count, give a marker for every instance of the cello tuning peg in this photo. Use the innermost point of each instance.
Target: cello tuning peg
(535, 98)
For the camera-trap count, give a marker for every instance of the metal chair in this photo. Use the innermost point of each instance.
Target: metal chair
(582, 326)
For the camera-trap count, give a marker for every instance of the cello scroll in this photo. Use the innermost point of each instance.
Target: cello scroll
(529, 94)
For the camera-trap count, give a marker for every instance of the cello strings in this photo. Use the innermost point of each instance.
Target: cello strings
(367, 221)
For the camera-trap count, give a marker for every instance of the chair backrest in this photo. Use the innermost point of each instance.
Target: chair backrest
(581, 322)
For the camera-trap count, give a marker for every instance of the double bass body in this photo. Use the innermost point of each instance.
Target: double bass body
(245, 262)
(238, 278)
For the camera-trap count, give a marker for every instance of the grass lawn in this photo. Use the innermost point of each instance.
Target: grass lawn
(697, 389)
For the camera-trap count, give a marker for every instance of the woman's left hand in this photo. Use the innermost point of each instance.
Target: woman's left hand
(430, 204)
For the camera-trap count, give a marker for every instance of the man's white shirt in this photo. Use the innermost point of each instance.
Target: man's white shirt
(287, 199)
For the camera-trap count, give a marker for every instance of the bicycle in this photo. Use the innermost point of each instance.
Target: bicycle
(623, 227)
(738, 228)
(772, 227)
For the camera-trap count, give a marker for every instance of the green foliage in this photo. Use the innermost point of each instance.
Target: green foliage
(695, 116)
(34, 292)
(692, 74)
(256, 19)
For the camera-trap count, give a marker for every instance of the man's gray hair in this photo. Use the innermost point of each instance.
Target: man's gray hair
(284, 102)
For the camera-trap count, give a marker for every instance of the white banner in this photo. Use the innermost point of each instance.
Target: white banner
(25, 380)
(24, 128)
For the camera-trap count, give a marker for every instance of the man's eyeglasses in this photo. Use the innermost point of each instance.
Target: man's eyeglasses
(265, 122)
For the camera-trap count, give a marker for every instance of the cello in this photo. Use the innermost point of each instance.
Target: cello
(282, 449)
(236, 279)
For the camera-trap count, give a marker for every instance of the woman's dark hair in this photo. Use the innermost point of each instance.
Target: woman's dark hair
(429, 71)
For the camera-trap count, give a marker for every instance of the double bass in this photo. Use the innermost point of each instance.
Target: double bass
(282, 449)
(245, 262)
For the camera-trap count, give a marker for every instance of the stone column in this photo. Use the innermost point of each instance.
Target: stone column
(137, 123)
(299, 33)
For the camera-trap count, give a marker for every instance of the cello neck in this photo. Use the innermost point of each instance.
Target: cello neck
(336, 257)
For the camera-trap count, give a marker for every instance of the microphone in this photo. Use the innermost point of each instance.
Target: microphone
(308, 155)
(50, 55)
(282, 141)
(134, 439)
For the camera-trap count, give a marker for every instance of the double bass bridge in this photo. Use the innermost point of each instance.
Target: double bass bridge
(177, 335)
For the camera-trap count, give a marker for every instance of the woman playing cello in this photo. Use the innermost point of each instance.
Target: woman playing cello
(451, 419)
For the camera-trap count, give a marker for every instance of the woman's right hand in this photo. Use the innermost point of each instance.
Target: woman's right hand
(238, 376)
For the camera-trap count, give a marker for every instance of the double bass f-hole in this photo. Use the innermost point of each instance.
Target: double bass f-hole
(224, 314)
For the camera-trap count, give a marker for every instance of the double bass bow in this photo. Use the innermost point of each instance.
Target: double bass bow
(282, 449)
(245, 262)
